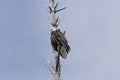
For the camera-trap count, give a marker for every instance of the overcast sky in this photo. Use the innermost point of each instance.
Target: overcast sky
(93, 32)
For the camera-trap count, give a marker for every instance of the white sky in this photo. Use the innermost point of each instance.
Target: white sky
(93, 32)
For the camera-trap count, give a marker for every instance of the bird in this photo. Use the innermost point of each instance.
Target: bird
(59, 42)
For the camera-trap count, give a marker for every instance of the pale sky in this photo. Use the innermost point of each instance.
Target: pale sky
(92, 29)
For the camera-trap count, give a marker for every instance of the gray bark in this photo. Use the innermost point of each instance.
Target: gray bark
(54, 72)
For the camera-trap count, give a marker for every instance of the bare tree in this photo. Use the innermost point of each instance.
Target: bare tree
(55, 70)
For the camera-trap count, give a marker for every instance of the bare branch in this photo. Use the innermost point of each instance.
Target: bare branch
(50, 9)
(55, 72)
(51, 0)
(56, 5)
(60, 9)
(64, 32)
(54, 25)
(57, 19)
(51, 67)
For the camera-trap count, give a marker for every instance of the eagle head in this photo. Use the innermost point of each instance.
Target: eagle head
(53, 29)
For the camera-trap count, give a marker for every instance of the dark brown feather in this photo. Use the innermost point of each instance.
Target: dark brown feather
(58, 39)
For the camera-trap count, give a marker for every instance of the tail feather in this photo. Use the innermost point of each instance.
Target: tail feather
(63, 52)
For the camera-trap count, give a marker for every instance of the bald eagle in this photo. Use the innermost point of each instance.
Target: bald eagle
(59, 42)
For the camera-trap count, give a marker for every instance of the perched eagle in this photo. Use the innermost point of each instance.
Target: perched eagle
(59, 42)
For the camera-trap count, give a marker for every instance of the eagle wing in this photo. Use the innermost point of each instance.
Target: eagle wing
(62, 39)
(54, 41)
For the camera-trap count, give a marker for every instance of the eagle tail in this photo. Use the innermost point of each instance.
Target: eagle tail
(63, 52)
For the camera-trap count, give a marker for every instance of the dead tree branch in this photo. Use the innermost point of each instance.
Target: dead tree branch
(55, 70)
(60, 9)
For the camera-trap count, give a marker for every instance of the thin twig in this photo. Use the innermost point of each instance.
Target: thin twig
(60, 9)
